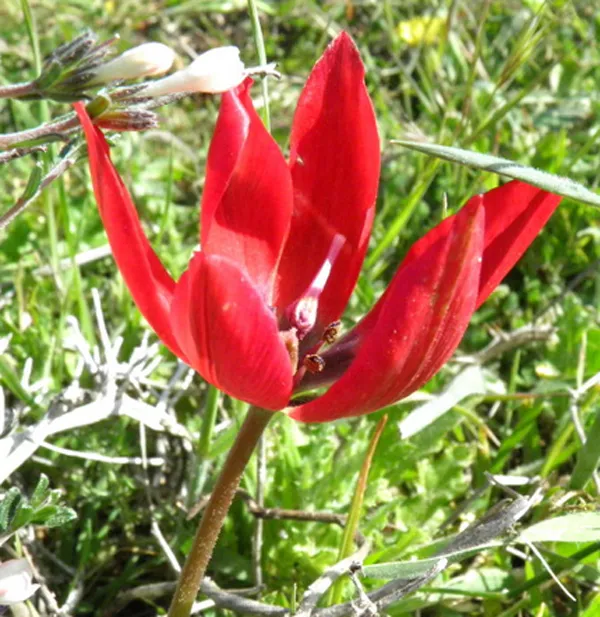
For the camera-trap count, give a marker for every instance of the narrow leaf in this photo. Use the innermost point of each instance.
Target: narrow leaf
(8, 507)
(13, 383)
(356, 508)
(62, 517)
(417, 567)
(33, 184)
(39, 493)
(542, 179)
(588, 457)
(476, 537)
(466, 383)
(576, 527)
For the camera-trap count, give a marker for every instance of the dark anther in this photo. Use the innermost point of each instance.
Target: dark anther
(314, 363)
(332, 331)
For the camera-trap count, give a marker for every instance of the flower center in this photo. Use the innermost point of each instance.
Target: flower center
(300, 317)
(302, 314)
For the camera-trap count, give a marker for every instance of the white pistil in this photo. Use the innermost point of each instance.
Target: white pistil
(303, 313)
(319, 281)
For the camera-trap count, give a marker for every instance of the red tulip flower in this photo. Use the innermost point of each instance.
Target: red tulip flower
(281, 247)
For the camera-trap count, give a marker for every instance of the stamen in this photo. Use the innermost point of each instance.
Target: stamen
(302, 314)
(290, 340)
(313, 363)
(332, 331)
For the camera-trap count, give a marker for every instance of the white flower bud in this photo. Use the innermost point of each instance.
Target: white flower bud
(216, 70)
(15, 582)
(141, 61)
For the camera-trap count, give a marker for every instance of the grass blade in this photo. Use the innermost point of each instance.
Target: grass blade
(486, 162)
(346, 547)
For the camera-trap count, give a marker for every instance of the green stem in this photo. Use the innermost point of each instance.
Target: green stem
(215, 512)
(262, 57)
(346, 547)
(208, 421)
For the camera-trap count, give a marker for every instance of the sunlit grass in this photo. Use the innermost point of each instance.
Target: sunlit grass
(514, 79)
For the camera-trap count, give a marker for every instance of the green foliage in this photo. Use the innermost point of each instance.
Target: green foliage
(519, 82)
(44, 507)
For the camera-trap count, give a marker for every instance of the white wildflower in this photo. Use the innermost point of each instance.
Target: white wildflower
(141, 61)
(216, 70)
(16, 582)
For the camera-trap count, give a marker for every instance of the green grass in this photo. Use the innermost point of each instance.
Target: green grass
(516, 79)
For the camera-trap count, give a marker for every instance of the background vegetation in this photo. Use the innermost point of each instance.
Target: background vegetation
(516, 78)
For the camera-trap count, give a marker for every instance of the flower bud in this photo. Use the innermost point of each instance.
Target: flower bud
(15, 582)
(216, 70)
(127, 120)
(141, 61)
(74, 51)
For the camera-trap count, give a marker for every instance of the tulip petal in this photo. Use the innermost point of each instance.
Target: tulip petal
(247, 200)
(514, 215)
(229, 334)
(149, 283)
(334, 161)
(425, 314)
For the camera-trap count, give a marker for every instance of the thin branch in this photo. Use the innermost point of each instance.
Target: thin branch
(261, 478)
(155, 529)
(319, 587)
(238, 604)
(13, 91)
(231, 599)
(80, 259)
(17, 153)
(155, 461)
(295, 515)
(274, 513)
(548, 569)
(505, 342)
(73, 598)
(67, 412)
(49, 597)
(364, 606)
(146, 593)
(284, 514)
(59, 129)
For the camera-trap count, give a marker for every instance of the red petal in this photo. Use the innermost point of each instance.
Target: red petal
(514, 215)
(149, 283)
(334, 161)
(425, 314)
(229, 334)
(247, 200)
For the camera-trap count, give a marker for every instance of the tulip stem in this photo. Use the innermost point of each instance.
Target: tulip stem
(216, 510)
